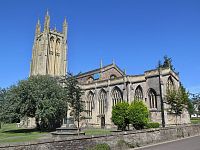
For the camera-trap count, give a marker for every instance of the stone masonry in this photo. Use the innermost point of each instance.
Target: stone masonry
(127, 139)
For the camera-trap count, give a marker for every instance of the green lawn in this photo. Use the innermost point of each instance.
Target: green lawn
(96, 131)
(10, 133)
(195, 120)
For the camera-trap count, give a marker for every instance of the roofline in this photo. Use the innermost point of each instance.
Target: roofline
(99, 69)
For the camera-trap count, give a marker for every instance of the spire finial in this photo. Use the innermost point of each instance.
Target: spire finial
(125, 71)
(65, 22)
(113, 61)
(38, 22)
(37, 30)
(47, 13)
(55, 27)
(47, 21)
(101, 64)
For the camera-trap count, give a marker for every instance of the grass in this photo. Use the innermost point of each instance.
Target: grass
(195, 120)
(96, 131)
(10, 133)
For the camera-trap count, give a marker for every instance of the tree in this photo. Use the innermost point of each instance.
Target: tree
(190, 107)
(195, 100)
(74, 97)
(167, 63)
(2, 105)
(138, 114)
(41, 97)
(178, 100)
(120, 115)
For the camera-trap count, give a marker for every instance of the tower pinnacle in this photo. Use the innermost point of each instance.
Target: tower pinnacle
(38, 27)
(65, 28)
(47, 21)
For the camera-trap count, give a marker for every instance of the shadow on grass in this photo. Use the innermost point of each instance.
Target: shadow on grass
(28, 130)
(22, 131)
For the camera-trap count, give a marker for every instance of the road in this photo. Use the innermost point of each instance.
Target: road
(192, 143)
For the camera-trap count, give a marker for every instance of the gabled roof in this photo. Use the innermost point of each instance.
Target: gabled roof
(101, 69)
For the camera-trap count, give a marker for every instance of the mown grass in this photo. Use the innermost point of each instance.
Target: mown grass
(195, 120)
(11, 133)
(96, 131)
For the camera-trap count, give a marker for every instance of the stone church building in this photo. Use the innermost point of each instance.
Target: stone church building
(107, 85)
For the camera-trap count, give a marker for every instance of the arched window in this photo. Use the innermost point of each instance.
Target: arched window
(152, 98)
(51, 45)
(102, 101)
(113, 76)
(170, 84)
(58, 46)
(116, 95)
(138, 93)
(89, 103)
(52, 39)
(90, 79)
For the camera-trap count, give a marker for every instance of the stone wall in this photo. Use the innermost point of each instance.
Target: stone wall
(115, 140)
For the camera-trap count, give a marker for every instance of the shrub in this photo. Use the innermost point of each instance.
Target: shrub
(120, 115)
(103, 146)
(152, 125)
(138, 114)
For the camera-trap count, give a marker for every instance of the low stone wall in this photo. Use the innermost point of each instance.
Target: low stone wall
(115, 140)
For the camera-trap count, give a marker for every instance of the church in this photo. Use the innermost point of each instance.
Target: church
(107, 85)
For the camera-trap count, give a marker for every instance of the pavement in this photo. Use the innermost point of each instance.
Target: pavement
(190, 143)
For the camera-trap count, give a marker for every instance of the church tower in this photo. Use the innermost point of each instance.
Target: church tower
(49, 53)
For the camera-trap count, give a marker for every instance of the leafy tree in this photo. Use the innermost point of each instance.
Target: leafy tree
(2, 105)
(138, 114)
(40, 97)
(195, 99)
(178, 100)
(74, 97)
(190, 107)
(167, 63)
(120, 115)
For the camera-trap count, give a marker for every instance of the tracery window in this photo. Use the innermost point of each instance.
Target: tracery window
(102, 101)
(116, 95)
(152, 99)
(170, 84)
(138, 93)
(58, 47)
(89, 103)
(51, 45)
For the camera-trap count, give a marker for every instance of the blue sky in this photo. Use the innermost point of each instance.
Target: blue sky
(136, 33)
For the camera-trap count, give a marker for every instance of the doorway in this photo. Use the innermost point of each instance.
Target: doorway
(103, 122)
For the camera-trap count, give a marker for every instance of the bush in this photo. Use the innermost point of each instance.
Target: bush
(152, 125)
(138, 114)
(120, 115)
(103, 146)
